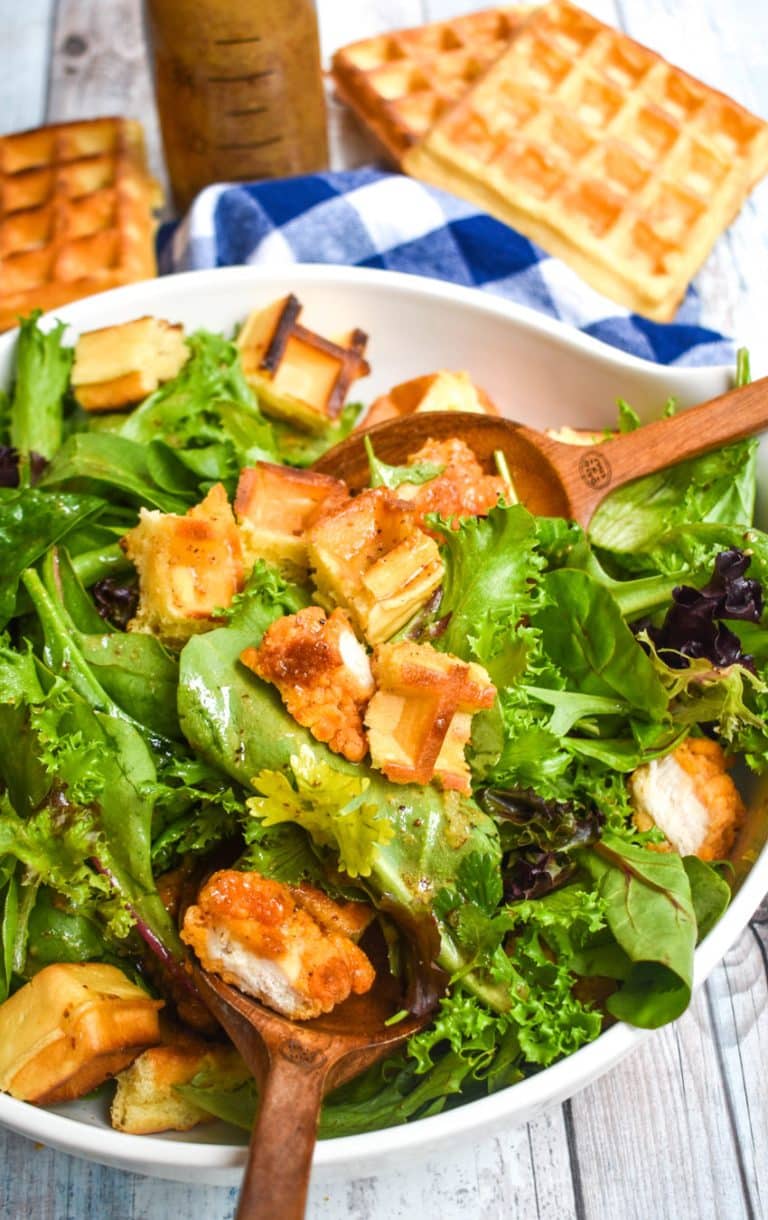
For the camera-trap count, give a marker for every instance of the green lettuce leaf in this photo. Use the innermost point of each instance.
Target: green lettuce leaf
(206, 419)
(383, 475)
(490, 584)
(30, 522)
(718, 487)
(650, 913)
(42, 377)
(584, 635)
(332, 807)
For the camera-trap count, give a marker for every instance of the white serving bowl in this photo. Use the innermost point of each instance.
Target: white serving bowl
(537, 371)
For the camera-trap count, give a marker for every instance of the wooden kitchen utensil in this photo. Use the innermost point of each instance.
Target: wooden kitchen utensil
(552, 478)
(295, 1064)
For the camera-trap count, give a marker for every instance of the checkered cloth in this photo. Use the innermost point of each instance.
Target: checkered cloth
(371, 219)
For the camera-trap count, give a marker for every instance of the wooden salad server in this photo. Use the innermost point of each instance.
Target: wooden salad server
(552, 478)
(295, 1064)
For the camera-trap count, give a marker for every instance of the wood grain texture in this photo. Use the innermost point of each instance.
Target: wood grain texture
(26, 36)
(99, 66)
(680, 1130)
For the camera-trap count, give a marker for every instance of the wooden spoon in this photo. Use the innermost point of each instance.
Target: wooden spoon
(552, 478)
(295, 1064)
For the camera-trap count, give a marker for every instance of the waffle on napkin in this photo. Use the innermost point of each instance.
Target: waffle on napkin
(602, 152)
(75, 213)
(399, 83)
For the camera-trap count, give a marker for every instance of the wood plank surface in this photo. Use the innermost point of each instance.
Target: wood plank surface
(680, 1130)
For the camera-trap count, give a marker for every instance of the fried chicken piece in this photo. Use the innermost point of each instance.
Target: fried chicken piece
(322, 673)
(420, 719)
(265, 938)
(462, 490)
(691, 797)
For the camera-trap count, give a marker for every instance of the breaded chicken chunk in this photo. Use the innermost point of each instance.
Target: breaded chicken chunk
(188, 567)
(266, 938)
(691, 797)
(462, 490)
(322, 673)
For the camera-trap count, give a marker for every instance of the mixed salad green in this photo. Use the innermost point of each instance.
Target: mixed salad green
(524, 917)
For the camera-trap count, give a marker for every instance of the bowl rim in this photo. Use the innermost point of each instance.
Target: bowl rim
(169, 1154)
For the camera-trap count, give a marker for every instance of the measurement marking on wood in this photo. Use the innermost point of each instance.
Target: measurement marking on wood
(236, 42)
(250, 144)
(240, 80)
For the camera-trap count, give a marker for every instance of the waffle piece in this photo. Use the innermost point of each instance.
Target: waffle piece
(298, 375)
(601, 151)
(400, 82)
(420, 719)
(75, 213)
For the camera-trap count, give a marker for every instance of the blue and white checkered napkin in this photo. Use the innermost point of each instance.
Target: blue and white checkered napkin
(367, 218)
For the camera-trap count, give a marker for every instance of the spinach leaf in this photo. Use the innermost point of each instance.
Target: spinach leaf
(132, 668)
(30, 522)
(101, 460)
(650, 912)
(584, 635)
(709, 891)
(55, 934)
(42, 376)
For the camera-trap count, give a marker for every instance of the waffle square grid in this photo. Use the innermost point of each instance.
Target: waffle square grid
(75, 213)
(608, 156)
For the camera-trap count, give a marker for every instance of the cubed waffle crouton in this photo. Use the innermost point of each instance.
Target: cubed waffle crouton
(261, 936)
(322, 673)
(370, 557)
(441, 391)
(420, 718)
(602, 152)
(188, 567)
(70, 1028)
(691, 797)
(119, 365)
(299, 375)
(275, 505)
(146, 1099)
(75, 213)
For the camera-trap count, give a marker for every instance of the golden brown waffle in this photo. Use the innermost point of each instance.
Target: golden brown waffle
(75, 213)
(399, 83)
(595, 147)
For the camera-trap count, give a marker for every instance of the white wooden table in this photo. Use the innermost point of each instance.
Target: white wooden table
(679, 1131)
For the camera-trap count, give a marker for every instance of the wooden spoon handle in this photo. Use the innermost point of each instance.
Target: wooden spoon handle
(594, 473)
(283, 1140)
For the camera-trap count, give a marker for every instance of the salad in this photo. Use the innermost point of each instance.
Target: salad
(247, 712)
